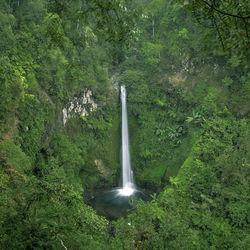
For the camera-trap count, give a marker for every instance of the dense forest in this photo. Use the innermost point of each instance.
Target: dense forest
(185, 66)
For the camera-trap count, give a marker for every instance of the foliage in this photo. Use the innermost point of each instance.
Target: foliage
(116, 27)
(229, 19)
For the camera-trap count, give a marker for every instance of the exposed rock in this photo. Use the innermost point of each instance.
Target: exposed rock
(177, 80)
(79, 106)
(105, 172)
(114, 81)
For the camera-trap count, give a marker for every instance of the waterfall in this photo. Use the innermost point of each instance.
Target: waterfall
(127, 174)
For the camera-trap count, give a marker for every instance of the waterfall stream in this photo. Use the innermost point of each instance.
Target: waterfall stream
(127, 174)
(116, 202)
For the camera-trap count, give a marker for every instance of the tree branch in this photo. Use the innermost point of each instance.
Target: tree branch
(217, 28)
(223, 12)
(63, 244)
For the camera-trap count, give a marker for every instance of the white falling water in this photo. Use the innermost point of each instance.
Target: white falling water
(127, 174)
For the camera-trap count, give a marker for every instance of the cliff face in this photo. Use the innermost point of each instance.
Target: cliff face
(91, 121)
(79, 106)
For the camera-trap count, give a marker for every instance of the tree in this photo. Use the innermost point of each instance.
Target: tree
(230, 19)
(112, 21)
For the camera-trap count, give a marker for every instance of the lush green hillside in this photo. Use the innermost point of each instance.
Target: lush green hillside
(185, 67)
(189, 107)
(50, 60)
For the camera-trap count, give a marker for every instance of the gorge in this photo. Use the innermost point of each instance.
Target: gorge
(114, 203)
(104, 104)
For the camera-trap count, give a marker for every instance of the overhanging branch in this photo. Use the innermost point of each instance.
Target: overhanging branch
(223, 12)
